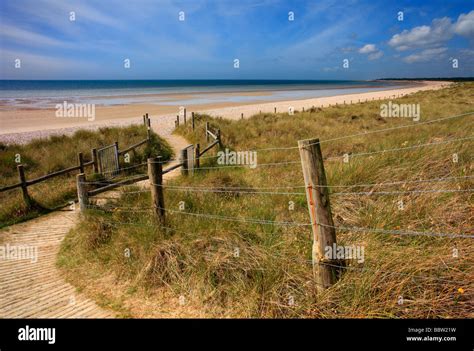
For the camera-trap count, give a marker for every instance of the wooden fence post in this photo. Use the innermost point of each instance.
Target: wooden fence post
(187, 160)
(144, 120)
(177, 120)
(24, 186)
(218, 134)
(192, 117)
(207, 128)
(184, 116)
(80, 158)
(95, 167)
(82, 195)
(184, 161)
(148, 132)
(197, 150)
(155, 176)
(317, 196)
(275, 110)
(242, 115)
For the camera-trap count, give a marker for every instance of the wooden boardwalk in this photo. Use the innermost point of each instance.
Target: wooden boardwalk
(36, 289)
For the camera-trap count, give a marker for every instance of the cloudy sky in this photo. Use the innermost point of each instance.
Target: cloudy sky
(91, 39)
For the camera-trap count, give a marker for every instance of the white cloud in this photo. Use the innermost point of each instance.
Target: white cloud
(35, 66)
(426, 55)
(435, 35)
(367, 49)
(372, 51)
(465, 25)
(26, 37)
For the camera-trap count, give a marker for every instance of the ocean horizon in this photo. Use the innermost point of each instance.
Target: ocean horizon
(47, 93)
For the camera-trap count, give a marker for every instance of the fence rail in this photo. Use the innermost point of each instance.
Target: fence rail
(188, 162)
(24, 183)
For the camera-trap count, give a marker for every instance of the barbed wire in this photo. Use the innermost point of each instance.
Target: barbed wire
(395, 128)
(236, 191)
(292, 259)
(396, 232)
(265, 221)
(250, 189)
(399, 148)
(421, 191)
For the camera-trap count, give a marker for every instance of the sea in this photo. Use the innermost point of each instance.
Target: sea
(15, 94)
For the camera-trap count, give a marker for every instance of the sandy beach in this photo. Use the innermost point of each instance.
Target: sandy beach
(22, 125)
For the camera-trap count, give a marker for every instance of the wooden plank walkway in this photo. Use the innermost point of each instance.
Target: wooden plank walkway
(35, 289)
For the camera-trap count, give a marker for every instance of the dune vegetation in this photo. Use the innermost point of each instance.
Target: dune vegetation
(47, 155)
(216, 258)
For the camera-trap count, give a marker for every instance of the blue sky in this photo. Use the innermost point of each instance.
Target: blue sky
(258, 33)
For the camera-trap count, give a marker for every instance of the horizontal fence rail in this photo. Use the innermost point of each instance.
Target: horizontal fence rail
(82, 165)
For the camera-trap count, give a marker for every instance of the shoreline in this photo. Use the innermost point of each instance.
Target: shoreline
(22, 125)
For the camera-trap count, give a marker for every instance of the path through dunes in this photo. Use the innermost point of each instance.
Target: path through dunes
(36, 289)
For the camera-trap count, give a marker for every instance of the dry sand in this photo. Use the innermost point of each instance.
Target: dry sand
(22, 125)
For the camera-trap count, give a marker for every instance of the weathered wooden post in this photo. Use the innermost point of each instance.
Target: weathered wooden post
(191, 162)
(24, 186)
(80, 158)
(192, 117)
(197, 151)
(155, 176)
(82, 194)
(95, 167)
(184, 161)
(317, 195)
(148, 133)
(177, 120)
(144, 120)
(303, 108)
(242, 115)
(275, 110)
(218, 134)
(116, 147)
(184, 116)
(207, 134)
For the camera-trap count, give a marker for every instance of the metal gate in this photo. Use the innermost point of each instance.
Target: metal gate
(108, 161)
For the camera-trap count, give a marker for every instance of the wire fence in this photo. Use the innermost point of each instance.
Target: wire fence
(291, 190)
